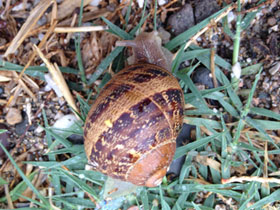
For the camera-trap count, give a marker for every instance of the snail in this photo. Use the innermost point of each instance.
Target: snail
(131, 129)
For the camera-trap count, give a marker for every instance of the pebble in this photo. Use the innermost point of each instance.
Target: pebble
(202, 76)
(76, 139)
(181, 20)
(13, 116)
(271, 21)
(21, 127)
(263, 95)
(274, 69)
(205, 8)
(182, 139)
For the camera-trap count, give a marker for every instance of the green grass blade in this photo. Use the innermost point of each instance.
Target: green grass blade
(143, 18)
(187, 80)
(253, 69)
(26, 180)
(104, 64)
(55, 180)
(266, 200)
(117, 30)
(181, 151)
(18, 189)
(265, 112)
(81, 184)
(128, 14)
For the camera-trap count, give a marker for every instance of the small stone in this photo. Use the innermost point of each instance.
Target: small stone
(275, 68)
(21, 127)
(205, 8)
(202, 76)
(13, 116)
(181, 20)
(76, 139)
(271, 21)
(263, 95)
(162, 2)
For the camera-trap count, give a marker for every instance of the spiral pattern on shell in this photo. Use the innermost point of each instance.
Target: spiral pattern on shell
(131, 129)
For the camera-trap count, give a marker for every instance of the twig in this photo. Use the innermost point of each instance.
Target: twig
(79, 29)
(8, 197)
(69, 35)
(166, 5)
(265, 173)
(212, 61)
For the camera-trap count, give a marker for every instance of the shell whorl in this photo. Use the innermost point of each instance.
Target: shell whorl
(137, 115)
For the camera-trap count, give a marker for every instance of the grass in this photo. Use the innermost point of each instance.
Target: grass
(222, 148)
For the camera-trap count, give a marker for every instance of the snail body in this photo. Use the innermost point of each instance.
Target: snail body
(131, 129)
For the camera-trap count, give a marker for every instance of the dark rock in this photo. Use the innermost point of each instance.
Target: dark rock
(76, 139)
(182, 139)
(273, 44)
(271, 21)
(259, 47)
(4, 140)
(201, 76)
(204, 9)
(181, 20)
(21, 127)
(263, 95)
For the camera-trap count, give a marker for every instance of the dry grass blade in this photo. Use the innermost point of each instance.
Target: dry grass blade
(265, 170)
(9, 200)
(25, 88)
(79, 29)
(250, 179)
(42, 43)
(206, 161)
(4, 79)
(69, 35)
(13, 98)
(34, 16)
(50, 199)
(58, 79)
(7, 6)
(212, 61)
(30, 82)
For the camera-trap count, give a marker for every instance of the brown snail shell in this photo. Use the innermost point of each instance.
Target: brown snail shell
(131, 129)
